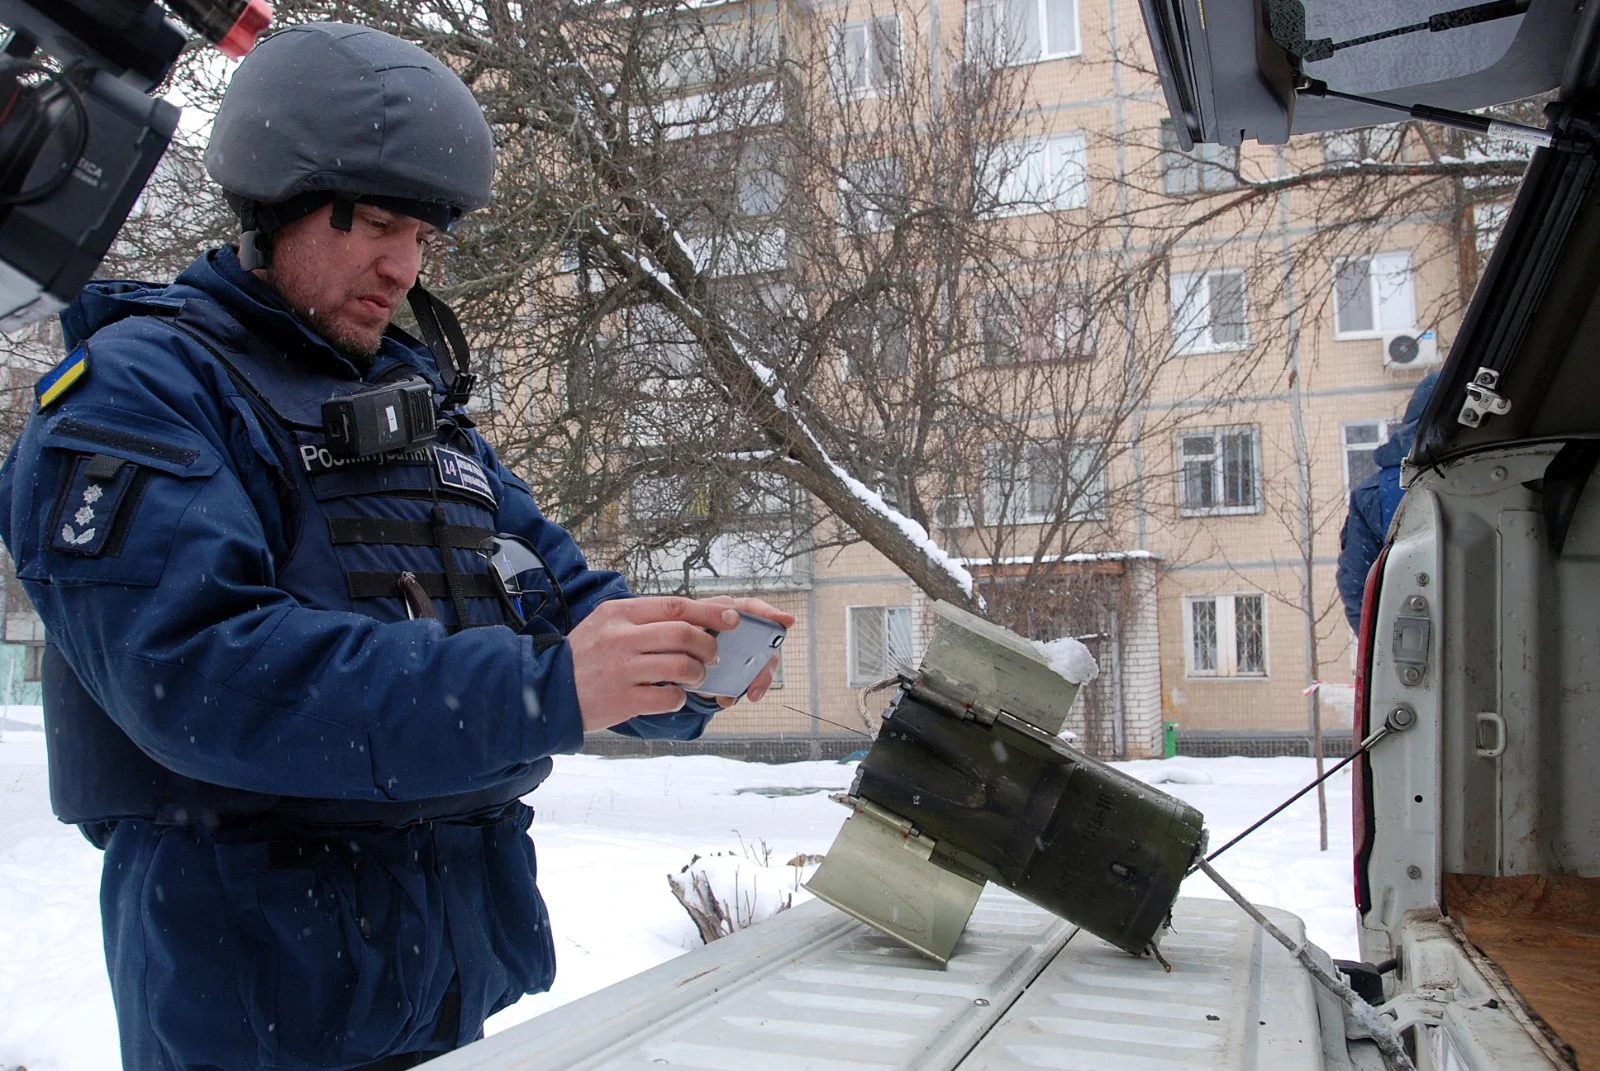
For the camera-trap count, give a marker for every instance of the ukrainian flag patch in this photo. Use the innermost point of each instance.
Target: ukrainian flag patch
(63, 377)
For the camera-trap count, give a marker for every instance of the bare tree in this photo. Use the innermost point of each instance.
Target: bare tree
(738, 265)
(743, 266)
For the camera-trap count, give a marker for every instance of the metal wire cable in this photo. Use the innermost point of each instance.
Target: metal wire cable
(1270, 815)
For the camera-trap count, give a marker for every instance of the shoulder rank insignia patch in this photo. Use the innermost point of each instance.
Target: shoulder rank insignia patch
(88, 512)
(63, 377)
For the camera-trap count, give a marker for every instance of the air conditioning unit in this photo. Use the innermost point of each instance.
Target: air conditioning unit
(1410, 350)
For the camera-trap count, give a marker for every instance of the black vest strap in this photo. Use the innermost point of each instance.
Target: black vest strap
(382, 585)
(345, 530)
(452, 572)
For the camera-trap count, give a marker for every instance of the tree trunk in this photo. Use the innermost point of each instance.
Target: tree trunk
(906, 544)
(1316, 752)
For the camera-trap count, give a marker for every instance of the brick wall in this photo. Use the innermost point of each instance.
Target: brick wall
(1141, 659)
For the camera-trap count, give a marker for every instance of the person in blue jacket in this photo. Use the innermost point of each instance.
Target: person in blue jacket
(296, 684)
(1372, 505)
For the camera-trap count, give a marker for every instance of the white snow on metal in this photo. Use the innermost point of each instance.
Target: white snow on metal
(814, 990)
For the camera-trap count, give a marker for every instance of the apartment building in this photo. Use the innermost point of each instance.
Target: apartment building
(1186, 528)
(1285, 340)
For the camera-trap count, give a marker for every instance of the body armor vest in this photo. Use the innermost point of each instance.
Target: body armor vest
(391, 536)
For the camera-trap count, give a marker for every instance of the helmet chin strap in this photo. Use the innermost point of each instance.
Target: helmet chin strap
(255, 241)
(442, 333)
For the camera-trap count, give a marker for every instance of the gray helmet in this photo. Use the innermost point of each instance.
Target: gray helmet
(331, 112)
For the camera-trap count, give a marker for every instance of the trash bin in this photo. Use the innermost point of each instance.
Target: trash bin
(1169, 739)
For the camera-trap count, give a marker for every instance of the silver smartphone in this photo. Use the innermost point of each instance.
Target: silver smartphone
(742, 651)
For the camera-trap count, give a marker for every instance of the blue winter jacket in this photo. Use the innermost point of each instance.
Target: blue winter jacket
(315, 856)
(1373, 502)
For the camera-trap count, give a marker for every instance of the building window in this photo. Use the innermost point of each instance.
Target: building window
(738, 252)
(1205, 167)
(1044, 174)
(880, 643)
(1219, 472)
(871, 195)
(659, 499)
(1373, 296)
(591, 375)
(764, 495)
(579, 262)
(689, 60)
(1227, 635)
(953, 511)
(1369, 143)
(866, 55)
(1042, 326)
(1003, 32)
(758, 497)
(664, 357)
(874, 342)
(716, 535)
(1209, 312)
(697, 55)
(27, 629)
(1031, 486)
(1086, 482)
(758, 183)
(1361, 439)
(659, 343)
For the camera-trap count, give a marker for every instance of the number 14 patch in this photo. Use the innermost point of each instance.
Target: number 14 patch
(88, 517)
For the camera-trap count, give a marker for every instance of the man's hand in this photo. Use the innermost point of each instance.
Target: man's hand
(636, 656)
(759, 608)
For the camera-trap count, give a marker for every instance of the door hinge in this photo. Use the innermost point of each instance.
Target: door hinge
(1484, 399)
(1413, 635)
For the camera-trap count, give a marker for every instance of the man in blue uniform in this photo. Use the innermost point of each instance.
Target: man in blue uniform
(1372, 505)
(288, 688)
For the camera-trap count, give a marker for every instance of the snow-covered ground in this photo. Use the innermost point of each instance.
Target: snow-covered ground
(609, 833)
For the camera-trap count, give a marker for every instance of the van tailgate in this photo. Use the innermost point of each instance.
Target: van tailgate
(813, 989)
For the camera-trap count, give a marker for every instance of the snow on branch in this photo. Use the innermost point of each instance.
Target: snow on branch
(742, 349)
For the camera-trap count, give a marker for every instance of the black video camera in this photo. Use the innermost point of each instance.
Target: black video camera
(80, 136)
(380, 419)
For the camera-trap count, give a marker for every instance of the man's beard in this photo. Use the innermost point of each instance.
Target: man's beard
(358, 350)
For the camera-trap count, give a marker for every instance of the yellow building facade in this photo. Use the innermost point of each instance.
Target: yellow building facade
(1276, 334)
